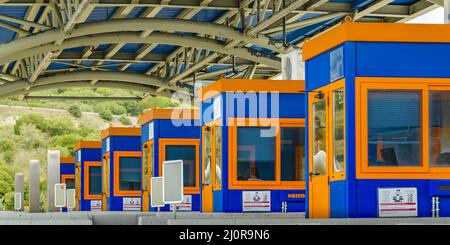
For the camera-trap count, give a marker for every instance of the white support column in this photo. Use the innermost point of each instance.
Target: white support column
(53, 178)
(447, 11)
(34, 186)
(19, 182)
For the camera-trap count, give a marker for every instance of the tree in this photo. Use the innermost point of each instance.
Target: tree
(75, 111)
(125, 121)
(106, 115)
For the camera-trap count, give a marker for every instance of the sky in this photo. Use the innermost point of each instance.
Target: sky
(433, 17)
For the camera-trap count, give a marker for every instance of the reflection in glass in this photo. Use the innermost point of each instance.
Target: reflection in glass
(145, 173)
(129, 173)
(70, 183)
(207, 155)
(218, 154)
(440, 128)
(95, 180)
(186, 153)
(338, 131)
(105, 175)
(319, 138)
(394, 128)
(292, 154)
(255, 154)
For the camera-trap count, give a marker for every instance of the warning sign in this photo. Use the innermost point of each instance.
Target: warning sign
(397, 202)
(96, 205)
(256, 201)
(131, 204)
(186, 205)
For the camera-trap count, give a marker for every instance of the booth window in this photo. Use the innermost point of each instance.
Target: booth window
(105, 174)
(394, 128)
(147, 166)
(439, 103)
(207, 158)
(95, 180)
(129, 173)
(338, 131)
(292, 154)
(270, 153)
(70, 183)
(319, 138)
(218, 155)
(187, 153)
(255, 153)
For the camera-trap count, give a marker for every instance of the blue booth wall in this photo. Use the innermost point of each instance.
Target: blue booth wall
(358, 197)
(67, 168)
(290, 106)
(165, 129)
(118, 143)
(86, 155)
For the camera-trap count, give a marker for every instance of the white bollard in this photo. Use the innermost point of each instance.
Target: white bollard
(53, 168)
(19, 182)
(34, 184)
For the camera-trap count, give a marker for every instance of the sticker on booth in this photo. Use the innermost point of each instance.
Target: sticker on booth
(256, 201)
(96, 205)
(186, 205)
(131, 204)
(397, 202)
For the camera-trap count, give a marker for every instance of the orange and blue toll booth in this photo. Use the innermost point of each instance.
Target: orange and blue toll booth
(67, 172)
(121, 169)
(253, 146)
(171, 134)
(88, 175)
(379, 121)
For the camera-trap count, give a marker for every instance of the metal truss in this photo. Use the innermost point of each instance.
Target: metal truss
(51, 27)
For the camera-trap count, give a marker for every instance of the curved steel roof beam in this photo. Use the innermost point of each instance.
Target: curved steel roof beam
(137, 24)
(131, 78)
(133, 37)
(105, 84)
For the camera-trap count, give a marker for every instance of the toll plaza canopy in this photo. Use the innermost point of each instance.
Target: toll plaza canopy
(159, 47)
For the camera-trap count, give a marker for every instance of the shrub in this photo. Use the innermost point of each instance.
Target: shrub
(75, 110)
(106, 115)
(125, 121)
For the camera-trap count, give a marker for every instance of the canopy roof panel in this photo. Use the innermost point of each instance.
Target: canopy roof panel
(174, 42)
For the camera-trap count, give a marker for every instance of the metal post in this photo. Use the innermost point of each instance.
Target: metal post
(447, 11)
(53, 169)
(34, 182)
(19, 182)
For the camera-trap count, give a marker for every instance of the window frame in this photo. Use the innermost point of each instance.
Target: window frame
(64, 177)
(163, 142)
(146, 147)
(423, 85)
(117, 156)
(277, 184)
(86, 173)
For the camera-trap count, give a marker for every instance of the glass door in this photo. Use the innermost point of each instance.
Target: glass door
(105, 181)
(207, 174)
(319, 191)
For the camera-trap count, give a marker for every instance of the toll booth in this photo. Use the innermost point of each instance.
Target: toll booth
(88, 175)
(121, 169)
(172, 134)
(253, 146)
(67, 173)
(379, 107)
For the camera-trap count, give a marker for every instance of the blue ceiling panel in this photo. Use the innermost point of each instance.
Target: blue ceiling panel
(131, 47)
(208, 15)
(168, 13)
(101, 13)
(139, 67)
(164, 49)
(136, 12)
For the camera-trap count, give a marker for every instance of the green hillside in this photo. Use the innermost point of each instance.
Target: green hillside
(29, 128)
